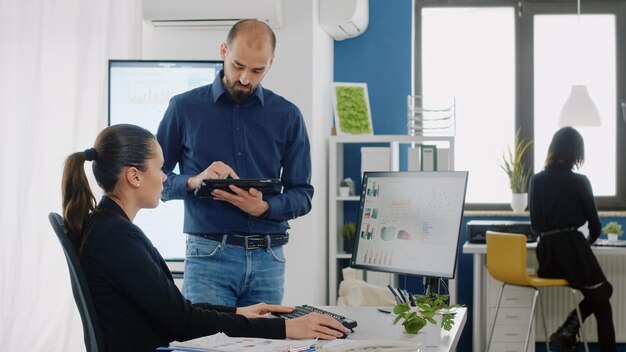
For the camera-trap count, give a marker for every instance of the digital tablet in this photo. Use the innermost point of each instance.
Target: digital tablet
(265, 185)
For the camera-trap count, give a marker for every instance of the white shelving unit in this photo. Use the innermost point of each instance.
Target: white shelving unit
(337, 259)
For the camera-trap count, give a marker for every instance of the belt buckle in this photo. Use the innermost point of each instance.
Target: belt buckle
(248, 244)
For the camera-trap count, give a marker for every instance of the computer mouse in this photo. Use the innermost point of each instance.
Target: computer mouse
(343, 334)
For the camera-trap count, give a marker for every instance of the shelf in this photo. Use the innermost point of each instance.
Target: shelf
(348, 199)
(386, 138)
(337, 259)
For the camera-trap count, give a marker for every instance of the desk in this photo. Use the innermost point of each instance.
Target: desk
(373, 324)
(611, 259)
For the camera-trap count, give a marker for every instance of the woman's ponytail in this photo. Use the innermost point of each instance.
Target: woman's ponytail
(78, 199)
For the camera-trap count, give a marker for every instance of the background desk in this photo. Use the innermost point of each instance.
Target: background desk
(558, 301)
(373, 324)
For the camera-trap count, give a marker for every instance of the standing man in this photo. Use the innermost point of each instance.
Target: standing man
(236, 128)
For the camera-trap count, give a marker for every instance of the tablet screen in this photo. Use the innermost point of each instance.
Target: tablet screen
(265, 185)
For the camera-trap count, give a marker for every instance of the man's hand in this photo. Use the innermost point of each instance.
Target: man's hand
(250, 201)
(216, 170)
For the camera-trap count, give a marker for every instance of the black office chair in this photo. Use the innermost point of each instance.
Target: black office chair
(91, 326)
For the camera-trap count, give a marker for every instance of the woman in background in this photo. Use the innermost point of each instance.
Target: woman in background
(138, 305)
(561, 201)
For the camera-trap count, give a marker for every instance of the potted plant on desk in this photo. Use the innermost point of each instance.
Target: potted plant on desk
(613, 230)
(427, 308)
(348, 232)
(517, 172)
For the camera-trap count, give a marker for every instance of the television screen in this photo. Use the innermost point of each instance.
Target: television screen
(409, 222)
(139, 92)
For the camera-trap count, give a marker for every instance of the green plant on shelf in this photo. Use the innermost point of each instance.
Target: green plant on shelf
(613, 227)
(426, 308)
(348, 231)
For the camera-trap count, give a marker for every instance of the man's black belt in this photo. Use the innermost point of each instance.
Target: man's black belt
(249, 241)
(552, 232)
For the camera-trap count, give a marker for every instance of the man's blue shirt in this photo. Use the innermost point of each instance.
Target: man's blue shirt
(261, 137)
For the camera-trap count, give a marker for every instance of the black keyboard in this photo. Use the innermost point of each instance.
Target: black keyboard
(306, 309)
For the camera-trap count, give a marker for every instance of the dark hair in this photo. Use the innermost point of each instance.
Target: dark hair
(567, 149)
(250, 25)
(116, 148)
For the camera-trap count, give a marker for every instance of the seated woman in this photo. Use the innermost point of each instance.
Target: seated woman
(138, 305)
(561, 201)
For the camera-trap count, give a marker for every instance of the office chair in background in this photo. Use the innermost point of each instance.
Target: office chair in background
(82, 296)
(506, 262)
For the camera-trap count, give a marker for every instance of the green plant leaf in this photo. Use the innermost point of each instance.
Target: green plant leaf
(447, 321)
(431, 320)
(401, 308)
(414, 326)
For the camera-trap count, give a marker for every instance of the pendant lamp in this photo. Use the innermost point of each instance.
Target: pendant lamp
(579, 109)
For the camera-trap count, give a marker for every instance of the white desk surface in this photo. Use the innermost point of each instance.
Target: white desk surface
(481, 248)
(373, 324)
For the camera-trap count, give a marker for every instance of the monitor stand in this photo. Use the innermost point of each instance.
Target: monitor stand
(431, 285)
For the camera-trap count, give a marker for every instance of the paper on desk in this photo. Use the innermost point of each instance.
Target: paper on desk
(377, 345)
(222, 343)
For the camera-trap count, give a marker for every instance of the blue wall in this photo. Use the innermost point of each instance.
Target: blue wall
(381, 57)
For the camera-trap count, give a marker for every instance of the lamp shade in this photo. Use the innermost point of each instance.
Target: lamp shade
(579, 109)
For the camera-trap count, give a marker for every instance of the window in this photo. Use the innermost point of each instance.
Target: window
(510, 65)
(565, 53)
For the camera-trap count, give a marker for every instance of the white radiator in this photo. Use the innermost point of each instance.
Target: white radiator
(559, 302)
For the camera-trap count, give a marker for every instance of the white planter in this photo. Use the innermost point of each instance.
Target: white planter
(519, 202)
(612, 236)
(344, 191)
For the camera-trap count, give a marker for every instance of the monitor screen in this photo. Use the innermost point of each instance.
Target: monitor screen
(409, 222)
(139, 92)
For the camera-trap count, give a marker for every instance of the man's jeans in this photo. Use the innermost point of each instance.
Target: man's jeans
(229, 275)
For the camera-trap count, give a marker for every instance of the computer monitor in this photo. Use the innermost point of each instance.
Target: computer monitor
(409, 222)
(139, 93)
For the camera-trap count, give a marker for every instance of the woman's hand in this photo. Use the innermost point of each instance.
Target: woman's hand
(261, 309)
(314, 325)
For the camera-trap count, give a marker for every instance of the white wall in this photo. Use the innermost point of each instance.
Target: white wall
(301, 72)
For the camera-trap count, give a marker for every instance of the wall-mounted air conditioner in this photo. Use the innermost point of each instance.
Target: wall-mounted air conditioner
(343, 19)
(211, 13)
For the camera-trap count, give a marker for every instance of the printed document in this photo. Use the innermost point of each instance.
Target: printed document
(223, 343)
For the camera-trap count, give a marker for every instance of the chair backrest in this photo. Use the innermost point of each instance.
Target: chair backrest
(506, 257)
(91, 326)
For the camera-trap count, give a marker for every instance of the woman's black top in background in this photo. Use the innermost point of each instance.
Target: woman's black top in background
(137, 302)
(560, 201)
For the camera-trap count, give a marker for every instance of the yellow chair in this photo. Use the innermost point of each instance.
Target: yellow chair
(506, 262)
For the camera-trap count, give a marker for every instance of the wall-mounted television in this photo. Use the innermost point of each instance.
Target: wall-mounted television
(409, 223)
(139, 92)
